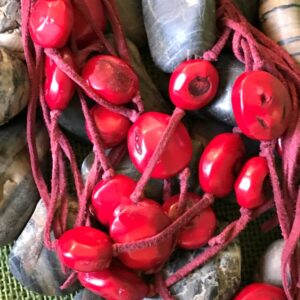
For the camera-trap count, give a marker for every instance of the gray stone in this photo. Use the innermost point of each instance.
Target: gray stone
(34, 266)
(229, 69)
(249, 9)
(18, 191)
(131, 15)
(10, 25)
(179, 29)
(14, 86)
(87, 295)
(72, 118)
(218, 279)
(269, 268)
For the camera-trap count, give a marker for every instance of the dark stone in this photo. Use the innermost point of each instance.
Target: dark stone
(34, 266)
(179, 29)
(131, 15)
(14, 86)
(87, 295)
(18, 191)
(72, 118)
(218, 279)
(249, 9)
(10, 25)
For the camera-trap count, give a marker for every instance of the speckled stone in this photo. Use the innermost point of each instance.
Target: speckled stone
(10, 24)
(18, 192)
(35, 267)
(218, 279)
(14, 86)
(269, 267)
(87, 295)
(72, 118)
(179, 29)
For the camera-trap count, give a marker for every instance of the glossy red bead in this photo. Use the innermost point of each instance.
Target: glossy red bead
(115, 283)
(261, 291)
(220, 163)
(112, 127)
(138, 221)
(83, 31)
(143, 138)
(249, 186)
(59, 88)
(198, 232)
(51, 22)
(111, 78)
(193, 84)
(261, 105)
(85, 249)
(109, 194)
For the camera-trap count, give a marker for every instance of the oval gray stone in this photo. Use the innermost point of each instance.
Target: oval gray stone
(87, 295)
(14, 86)
(19, 194)
(32, 264)
(179, 29)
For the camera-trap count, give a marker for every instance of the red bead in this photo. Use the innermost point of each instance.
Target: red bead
(261, 105)
(261, 291)
(138, 221)
(85, 249)
(115, 283)
(51, 22)
(111, 78)
(143, 138)
(83, 31)
(193, 84)
(112, 127)
(109, 194)
(249, 186)
(59, 88)
(198, 232)
(220, 163)
(279, 147)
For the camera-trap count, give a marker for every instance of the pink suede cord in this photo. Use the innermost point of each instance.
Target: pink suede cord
(161, 288)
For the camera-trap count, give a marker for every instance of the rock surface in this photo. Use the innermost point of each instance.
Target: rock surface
(10, 23)
(179, 29)
(18, 192)
(35, 267)
(87, 295)
(14, 86)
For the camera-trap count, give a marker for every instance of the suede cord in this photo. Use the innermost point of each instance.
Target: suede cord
(255, 51)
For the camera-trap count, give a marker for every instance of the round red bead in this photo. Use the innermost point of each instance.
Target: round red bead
(115, 283)
(138, 221)
(85, 249)
(111, 78)
(198, 232)
(51, 22)
(59, 88)
(250, 183)
(109, 194)
(261, 291)
(143, 137)
(112, 127)
(193, 84)
(220, 163)
(261, 105)
(83, 31)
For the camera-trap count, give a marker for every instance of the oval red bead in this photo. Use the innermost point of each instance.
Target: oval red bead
(59, 88)
(143, 138)
(111, 78)
(261, 105)
(250, 183)
(51, 22)
(220, 163)
(138, 221)
(109, 194)
(115, 283)
(83, 31)
(85, 249)
(193, 84)
(261, 291)
(112, 127)
(198, 232)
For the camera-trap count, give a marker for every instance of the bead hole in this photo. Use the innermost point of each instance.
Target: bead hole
(199, 86)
